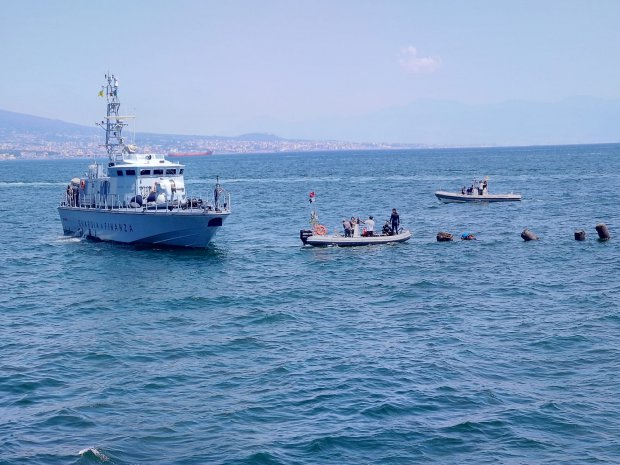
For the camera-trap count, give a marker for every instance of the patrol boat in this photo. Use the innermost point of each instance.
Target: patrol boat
(477, 192)
(138, 198)
(318, 236)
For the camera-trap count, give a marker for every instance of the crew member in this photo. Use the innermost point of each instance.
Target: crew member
(347, 228)
(370, 226)
(395, 221)
(387, 230)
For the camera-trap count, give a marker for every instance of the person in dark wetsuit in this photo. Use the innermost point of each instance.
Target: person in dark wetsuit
(395, 221)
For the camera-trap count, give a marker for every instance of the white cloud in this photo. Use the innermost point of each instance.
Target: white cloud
(411, 62)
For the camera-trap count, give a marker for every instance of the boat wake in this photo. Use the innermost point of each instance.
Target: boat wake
(18, 184)
(69, 239)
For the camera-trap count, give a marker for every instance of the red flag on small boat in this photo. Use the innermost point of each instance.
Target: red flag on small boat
(312, 197)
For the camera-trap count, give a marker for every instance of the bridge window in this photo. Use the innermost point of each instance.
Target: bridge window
(119, 172)
(158, 171)
(130, 172)
(145, 172)
(171, 171)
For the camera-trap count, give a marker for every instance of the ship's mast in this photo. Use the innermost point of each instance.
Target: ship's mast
(113, 124)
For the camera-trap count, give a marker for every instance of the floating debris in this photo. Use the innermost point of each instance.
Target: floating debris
(444, 237)
(528, 235)
(603, 232)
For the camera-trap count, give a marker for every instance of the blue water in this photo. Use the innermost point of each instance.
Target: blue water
(259, 351)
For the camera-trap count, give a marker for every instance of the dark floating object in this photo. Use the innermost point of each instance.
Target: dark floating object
(603, 232)
(304, 234)
(580, 235)
(444, 237)
(528, 235)
(468, 237)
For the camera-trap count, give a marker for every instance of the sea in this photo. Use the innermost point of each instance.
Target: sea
(259, 350)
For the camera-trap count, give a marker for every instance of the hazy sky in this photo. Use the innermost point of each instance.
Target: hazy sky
(229, 67)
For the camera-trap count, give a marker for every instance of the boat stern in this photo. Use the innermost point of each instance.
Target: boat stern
(304, 234)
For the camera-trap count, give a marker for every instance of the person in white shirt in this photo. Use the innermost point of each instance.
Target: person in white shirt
(370, 226)
(355, 227)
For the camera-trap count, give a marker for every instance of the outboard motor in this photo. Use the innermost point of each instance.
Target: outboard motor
(304, 234)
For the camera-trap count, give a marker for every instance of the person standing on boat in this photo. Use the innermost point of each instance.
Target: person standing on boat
(395, 221)
(355, 227)
(370, 226)
(347, 228)
(217, 193)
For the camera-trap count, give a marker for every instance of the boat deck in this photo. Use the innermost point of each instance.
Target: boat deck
(447, 197)
(342, 241)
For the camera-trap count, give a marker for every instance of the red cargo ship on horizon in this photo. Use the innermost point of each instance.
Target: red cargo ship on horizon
(190, 154)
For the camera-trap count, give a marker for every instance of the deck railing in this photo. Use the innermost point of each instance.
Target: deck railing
(114, 202)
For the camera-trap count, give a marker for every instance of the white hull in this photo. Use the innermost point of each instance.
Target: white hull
(192, 228)
(341, 241)
(450, 197)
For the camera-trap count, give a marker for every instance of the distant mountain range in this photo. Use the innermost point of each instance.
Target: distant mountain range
(31, 137)
(12, 123)
(577, 120)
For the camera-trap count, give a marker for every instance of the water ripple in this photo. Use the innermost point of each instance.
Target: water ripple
(259, 350)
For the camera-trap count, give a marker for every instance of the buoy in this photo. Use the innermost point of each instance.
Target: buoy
(603, 232)
(528, 235)
(580, 235)
(444, 236)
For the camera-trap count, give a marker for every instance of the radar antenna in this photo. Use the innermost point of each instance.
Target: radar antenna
(113, 124)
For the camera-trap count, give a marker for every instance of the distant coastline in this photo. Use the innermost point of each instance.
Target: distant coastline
(26, 137)
(27, 155)
(30, 137)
